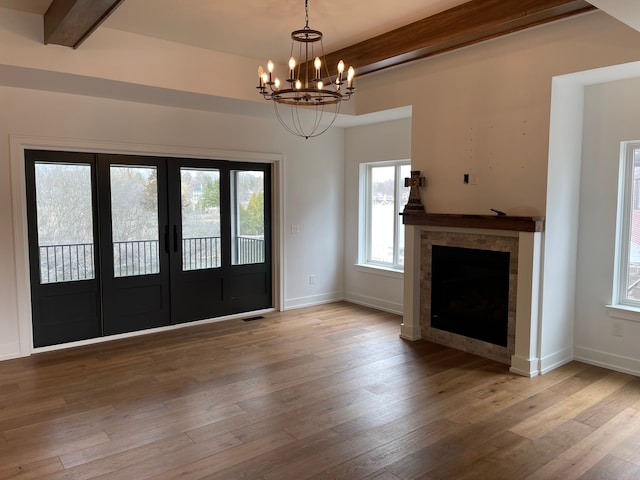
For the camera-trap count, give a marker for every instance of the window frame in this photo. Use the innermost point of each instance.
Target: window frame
(621, 305)
(365, 221)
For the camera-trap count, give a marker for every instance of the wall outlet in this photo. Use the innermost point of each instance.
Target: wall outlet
(616, 329)
(312, 279)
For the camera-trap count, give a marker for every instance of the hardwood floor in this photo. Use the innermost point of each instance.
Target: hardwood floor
(328, 392)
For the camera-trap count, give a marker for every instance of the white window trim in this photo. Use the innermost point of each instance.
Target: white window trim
(620, 306)
(364, 219)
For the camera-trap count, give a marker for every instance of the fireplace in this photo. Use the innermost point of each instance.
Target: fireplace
(470, 293)
(510, 253)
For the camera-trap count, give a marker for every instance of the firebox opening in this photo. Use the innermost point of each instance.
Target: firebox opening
(470, 293)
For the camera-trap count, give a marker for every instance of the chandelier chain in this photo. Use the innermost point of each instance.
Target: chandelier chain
(306, 14)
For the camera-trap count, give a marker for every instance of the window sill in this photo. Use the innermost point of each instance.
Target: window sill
(379, 270)
(624, 312)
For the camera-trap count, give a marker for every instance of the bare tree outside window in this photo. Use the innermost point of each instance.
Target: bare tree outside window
(65, 222)
(134, 220)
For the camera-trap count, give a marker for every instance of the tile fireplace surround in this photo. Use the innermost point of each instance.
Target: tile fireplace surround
(520, 236)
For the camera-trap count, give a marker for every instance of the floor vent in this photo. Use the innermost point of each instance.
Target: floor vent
(251, 319)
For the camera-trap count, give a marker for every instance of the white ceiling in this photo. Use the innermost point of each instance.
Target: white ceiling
(261, 29)
(627, 11)
(258, 28)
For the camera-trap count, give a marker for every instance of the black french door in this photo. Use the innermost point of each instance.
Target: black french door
(133, 218)
(122, 243)
(221, 224)
(63, 247)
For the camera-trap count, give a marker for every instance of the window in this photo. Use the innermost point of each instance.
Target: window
(382, 197)
(627, 271)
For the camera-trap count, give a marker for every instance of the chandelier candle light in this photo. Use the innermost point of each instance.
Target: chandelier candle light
(310, 90)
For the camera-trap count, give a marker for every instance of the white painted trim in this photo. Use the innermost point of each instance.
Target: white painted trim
(312, 300)
(364, 211)
(277, 226)
(527, 367)
(373, 302)
(525, 358)
(19, 143)
(379, 270)
(8, 351)
(618, 363)
(556, 359)
(410, 332)
(21, 243)
(624, 312)
(623, 223)
(410, 328)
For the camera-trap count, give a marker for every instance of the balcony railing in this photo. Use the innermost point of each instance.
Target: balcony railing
(201, 252)
(249, 250)
(137, 257)
(66, 263)
(74, 262)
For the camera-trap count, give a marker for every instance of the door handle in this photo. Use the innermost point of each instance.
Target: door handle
(166, 238)
(175, 239)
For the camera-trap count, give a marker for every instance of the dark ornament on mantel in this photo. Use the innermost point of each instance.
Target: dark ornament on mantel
(414, 204)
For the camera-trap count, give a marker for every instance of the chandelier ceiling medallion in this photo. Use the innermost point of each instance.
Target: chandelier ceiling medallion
(310, 91)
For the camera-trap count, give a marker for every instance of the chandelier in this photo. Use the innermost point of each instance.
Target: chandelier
(309, 102)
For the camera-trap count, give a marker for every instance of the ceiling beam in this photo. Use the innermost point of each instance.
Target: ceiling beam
(466, 24)
(70, 22)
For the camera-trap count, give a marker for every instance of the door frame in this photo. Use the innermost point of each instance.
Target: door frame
(19, 143)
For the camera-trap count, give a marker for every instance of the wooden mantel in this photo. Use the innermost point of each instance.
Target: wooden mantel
(490, 222)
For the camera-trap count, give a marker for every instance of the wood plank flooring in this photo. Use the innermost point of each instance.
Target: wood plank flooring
(323, 393)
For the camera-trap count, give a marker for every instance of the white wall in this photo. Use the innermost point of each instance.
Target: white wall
(370, 143)
(312, 181)
(485, 110)
(611, 115)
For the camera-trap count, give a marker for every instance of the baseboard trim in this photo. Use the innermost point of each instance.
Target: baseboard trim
(312, 300)
(618, 363)
(556, 359)
(377, 303)
(8, 352)
(411, 333)
(527, 367)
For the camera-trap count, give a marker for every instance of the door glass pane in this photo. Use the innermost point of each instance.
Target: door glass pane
(382, 214)
(200, 196)
(134, 220)
(248, 223)
(65, 222)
